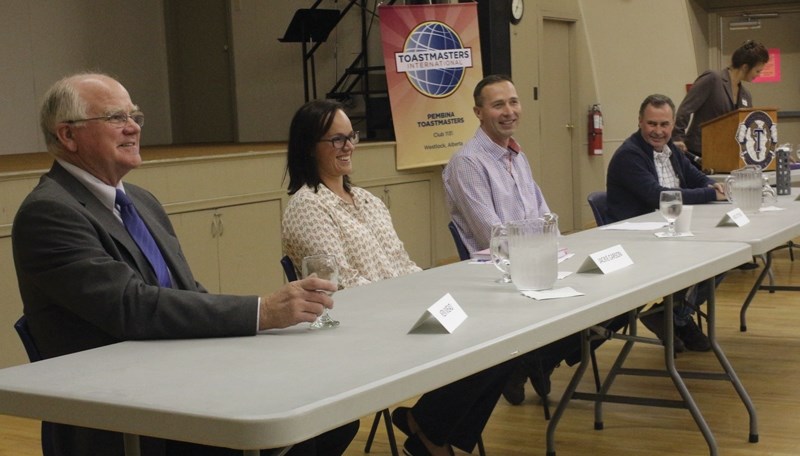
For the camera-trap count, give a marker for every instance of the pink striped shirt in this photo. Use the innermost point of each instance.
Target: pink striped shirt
(487, 184)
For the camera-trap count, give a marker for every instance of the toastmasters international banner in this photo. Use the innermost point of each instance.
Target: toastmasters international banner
(432, 55)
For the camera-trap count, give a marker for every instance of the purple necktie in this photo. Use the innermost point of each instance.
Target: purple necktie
(140, 234)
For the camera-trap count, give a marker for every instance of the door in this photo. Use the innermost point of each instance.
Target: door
(200, 75)
(556, 125)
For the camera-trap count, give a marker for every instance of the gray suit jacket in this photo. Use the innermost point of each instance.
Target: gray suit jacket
(711, 96)
(84, 283)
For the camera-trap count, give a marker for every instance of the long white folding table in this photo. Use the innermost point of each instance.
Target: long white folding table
(660, 248)
(283, 387)
(765, 232)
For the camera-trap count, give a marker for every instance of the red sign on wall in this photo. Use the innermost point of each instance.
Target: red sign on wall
(772, 70)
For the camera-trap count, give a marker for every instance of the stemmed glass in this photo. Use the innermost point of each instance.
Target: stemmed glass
(324, 267)
(498, 248)
(671, 204)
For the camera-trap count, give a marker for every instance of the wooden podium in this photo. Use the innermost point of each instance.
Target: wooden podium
(721, 151)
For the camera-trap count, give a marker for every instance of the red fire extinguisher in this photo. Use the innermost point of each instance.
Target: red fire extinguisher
(595, 130)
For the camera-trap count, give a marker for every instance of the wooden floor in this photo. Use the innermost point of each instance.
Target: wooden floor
(766, 358)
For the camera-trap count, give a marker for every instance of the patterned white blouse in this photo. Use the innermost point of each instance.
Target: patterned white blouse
(361, 235)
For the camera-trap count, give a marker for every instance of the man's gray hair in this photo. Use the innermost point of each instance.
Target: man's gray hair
(61, 103)
(656, 100)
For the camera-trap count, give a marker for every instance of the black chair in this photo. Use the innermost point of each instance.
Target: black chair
(598, 201)
(288, 268)
(27, 340)
(463, 253)
(33, 355)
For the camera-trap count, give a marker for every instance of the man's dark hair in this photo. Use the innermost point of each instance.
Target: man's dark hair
(488, 80)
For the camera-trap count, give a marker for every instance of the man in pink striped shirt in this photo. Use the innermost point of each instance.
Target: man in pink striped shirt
(489, 181)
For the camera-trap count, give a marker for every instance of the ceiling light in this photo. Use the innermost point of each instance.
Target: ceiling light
(750, 21)
(747, 24)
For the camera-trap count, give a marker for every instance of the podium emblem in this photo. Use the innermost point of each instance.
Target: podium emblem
(757, 136)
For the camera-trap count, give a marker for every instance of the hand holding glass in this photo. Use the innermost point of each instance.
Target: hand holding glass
(671, 204)
(324, 267)
(498, 248)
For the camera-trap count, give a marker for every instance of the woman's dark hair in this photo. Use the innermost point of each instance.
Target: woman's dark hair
(309, 125)
(750, 53)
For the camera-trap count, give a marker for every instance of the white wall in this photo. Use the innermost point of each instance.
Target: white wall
(638, 48)
(269, 74)
(45, 40)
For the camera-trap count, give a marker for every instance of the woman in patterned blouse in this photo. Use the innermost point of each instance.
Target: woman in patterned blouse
(326, 213)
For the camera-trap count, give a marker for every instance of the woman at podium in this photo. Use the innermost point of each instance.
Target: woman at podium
(715, 93)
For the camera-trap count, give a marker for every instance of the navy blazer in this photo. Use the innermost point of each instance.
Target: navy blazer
(632, 181)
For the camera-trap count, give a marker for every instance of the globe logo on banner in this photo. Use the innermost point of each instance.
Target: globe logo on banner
(434, 59)
(757, 137)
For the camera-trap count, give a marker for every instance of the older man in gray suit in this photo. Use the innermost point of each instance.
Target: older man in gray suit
(86, 282)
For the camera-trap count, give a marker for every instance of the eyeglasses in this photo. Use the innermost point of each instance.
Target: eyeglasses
(339, 141)
(117, 119)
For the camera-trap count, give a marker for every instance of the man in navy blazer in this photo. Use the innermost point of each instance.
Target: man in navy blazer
(647, 163)
(84, 281)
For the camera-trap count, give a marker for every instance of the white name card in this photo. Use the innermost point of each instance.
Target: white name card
(445, 312)
(606, 260)
(734, 217)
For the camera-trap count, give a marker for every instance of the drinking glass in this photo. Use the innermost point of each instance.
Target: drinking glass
(498, 247)
(324, 267)
(671, 204)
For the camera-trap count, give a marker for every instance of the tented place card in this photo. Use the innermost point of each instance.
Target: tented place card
(445, 313)
(606, 260)
(734, 218)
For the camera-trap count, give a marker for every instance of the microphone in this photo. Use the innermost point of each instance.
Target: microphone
(695, 158)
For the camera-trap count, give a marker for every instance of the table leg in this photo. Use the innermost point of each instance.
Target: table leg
(133, 448)
(131, 442)
(669, 359)
(726, 365)
(573, 385)
(772, 288)
(752, 294)
(615, 369)
(671, 371)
